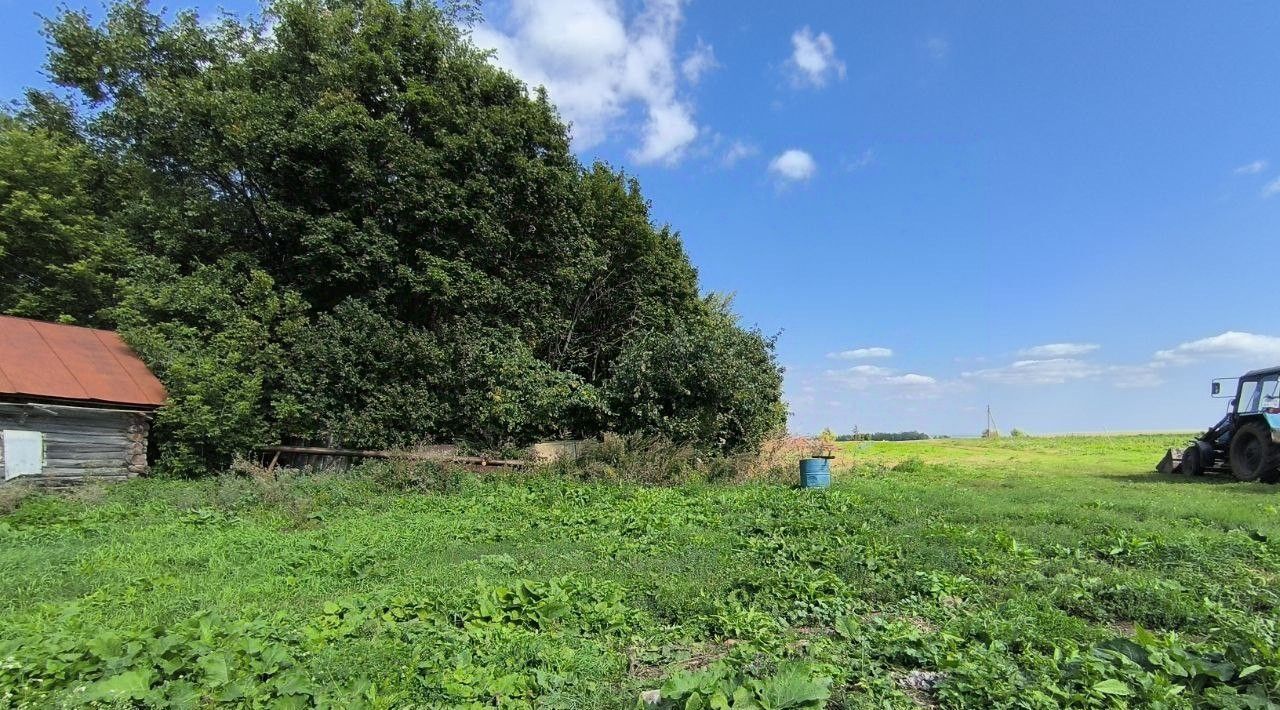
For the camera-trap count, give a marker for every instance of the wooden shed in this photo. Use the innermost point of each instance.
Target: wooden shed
(75, 404)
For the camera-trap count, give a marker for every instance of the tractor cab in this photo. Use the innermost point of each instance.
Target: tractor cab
(1247, 440)
(1259, 394)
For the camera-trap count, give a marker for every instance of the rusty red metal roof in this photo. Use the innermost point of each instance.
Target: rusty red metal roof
(70, 363)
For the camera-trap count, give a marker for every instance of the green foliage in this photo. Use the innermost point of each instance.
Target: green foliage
(218, 338)
(885, 436)
(356, 232)
(205, 660)
(56, 249)
(1036, 573)
(911, 464)
(705, 381)
(638, 459)
(720, 687)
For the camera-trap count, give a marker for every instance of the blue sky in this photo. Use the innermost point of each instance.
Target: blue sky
(1067, 210)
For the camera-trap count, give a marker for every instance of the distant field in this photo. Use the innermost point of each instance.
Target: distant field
(1054, 572)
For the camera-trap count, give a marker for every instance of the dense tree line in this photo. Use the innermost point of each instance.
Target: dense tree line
(340, 223)
(885, 436)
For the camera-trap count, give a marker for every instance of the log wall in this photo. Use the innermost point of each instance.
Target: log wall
(81, 444)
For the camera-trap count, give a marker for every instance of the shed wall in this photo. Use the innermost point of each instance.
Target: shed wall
(81, 443)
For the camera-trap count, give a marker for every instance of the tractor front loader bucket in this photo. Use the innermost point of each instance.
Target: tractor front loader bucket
(1171, 463)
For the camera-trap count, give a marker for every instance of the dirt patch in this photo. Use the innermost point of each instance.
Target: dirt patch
(920, 686)
(1122, 628)
(656, 664)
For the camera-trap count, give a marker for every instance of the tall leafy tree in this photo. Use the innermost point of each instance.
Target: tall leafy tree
(346, 211)
(56, 250)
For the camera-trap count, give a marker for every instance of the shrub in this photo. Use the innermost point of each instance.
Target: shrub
(705, 382)
(412, 476)
(638, 459)
(911, 464)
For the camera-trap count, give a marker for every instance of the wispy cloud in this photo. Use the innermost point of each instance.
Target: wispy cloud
(1053, 371)
(794, 165)
(597, 64)
(813, 59)
(890, 382)
(863, 376)
(1059, 350)
(864, 159)
(1061, 370)
(1232, 344)
(1253, 168)
(866, 371)
(862, 353)
(937, 47)
(1272, 189)
(1136, 376)
(737, 152)
(699, 62)
(911, 379)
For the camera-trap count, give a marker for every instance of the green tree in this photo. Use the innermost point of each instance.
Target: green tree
(57, 254)
(706, 381)
(425, 258)
(220, 338)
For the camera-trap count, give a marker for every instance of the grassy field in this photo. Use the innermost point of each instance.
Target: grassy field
(1015, 573)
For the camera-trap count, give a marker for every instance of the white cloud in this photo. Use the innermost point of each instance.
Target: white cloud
(862, 353)
(794, 165)
(700, 61)
(1253, 168)
(737, 152)
(937, 47)
(888, 382)
(867, 157)
(1136, 376)
(597, 66)
(1261, 349)
(911, 379)
(669, 131)
(1272, 189)
(869, 371)
(1053, 371)
(1058, 350)
(813, 58)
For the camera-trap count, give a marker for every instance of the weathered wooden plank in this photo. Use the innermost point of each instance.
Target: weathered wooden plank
(80, 447)
(89, 442)
(87, 463)
(72, 420)
(94, 439)
(99, 434)
(70, 431)
(83, 473)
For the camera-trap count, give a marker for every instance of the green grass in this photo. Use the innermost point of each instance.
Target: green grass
(1012, 573)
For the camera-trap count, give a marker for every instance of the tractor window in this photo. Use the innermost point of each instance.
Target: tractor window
(1259, 395)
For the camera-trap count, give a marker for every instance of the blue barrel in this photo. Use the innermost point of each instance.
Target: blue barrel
(815, 473)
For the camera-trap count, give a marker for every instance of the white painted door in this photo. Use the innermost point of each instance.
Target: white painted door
(23, 453)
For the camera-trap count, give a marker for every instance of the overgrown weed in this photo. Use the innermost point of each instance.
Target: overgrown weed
(1020, 585)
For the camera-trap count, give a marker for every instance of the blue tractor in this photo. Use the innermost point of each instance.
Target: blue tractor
(1247, 440)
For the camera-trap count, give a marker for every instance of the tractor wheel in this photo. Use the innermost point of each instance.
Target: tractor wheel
(1253, 456)
(1191, 463)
